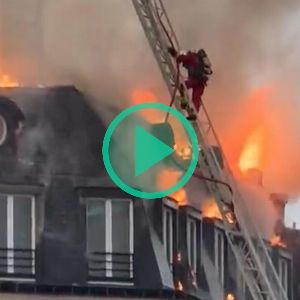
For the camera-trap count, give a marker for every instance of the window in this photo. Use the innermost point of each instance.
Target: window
(110, 238)
(168, 233)
(283, 273)
(17, 236)
(219, 254)
(192, 242)
(3, 130)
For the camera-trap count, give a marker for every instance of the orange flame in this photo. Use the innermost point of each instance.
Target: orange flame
(184, 151)
(180, 196)
(139, 96)
(230, 297)
(211, 210)
(7, 82)
(277, 242)
(168, 178)
(179, 286)
(252, 153)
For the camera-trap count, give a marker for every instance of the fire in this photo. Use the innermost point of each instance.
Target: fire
(252, 152)
(139, 96)
(179, 257)
(168, 178)
(230, 297)
(7, 82)
(211, 210)
(184, 151)
(180, 196)
(276, 241)
(179, 286)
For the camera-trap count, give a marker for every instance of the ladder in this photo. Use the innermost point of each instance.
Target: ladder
(244, 239)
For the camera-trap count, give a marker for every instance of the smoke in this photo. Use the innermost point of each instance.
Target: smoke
(253, 48)
(266, 217)
(101, 48)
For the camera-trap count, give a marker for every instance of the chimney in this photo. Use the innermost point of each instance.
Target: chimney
(279, 201)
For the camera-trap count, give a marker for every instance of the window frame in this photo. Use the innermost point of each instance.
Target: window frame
(10, 200)
(169, 207)
(283, 272)
(168, 233)
(109, 233)
(220, 269)
(195, 249)
(3, 137)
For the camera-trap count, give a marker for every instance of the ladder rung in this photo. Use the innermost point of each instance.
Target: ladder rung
(235, 233)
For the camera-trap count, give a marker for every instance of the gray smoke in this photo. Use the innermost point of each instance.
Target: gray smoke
(100, 44)
(100, 47)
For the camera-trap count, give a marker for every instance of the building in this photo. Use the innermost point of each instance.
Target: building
(66, 229)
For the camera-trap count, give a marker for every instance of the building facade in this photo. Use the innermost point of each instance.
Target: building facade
(65, 228)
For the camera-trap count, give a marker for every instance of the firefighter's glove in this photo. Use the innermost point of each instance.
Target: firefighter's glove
(172, 51)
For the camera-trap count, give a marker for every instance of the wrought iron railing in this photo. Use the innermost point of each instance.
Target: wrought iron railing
(17, 263)
(110, 266)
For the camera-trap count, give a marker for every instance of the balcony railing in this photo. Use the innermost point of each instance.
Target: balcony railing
(17, 263)
(110, 266)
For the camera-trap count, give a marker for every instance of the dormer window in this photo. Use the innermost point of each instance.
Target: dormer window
(11, 125)
(169, 230)
(3, 130)
(192, 248)
(219, 253)
(109, 228)
(17, 236)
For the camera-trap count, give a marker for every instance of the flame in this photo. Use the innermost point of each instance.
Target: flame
(252, 152)
(168, 178)
(276, 241)
(184, 151)
(211, 210)
(230, 297)
(178, 257)
(180, 196)
(7, 82)
(179, 286)
(139, 96)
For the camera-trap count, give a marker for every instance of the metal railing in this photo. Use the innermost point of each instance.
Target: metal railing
(17, 262)
(110, 266)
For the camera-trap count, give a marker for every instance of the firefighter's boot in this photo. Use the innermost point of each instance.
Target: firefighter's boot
(191, 114)
(183, 103)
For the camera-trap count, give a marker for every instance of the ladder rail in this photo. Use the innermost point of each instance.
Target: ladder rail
(149, 11)
(245, 214)
(155, 37)
(251, 246)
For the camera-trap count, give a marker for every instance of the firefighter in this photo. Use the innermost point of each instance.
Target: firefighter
(199, 71)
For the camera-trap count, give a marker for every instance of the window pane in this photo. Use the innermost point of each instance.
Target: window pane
(220, 255)
(96, 238)
(120, 226)
(193, 245)
(3, 234)
(22, 235)
(22, 222)
(168, 239)
(120, 238)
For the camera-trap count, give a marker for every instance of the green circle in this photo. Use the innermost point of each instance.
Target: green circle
(108, 135)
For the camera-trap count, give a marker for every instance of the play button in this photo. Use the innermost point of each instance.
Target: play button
(149, 150)
(137, 154)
